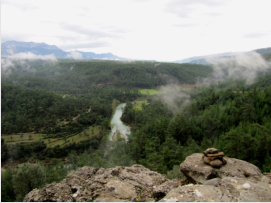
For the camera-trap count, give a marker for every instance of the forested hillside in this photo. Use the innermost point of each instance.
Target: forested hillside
(68, 104)
(27, 110)
(76, 77)
(38, 95)
(229, 116)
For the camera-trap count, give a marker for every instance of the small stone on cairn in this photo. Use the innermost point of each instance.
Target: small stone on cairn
(213, 158)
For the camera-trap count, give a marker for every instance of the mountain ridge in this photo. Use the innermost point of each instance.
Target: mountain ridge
(10, 48)
(222, 56)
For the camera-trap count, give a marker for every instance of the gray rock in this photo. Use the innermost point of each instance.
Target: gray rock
(138, 183)
(194, 193)
(210, 151)
(266, 180)
(206, 160)
(198, 172)
(161, 191)
(214, 182)
(216, 163)
(215, 156)
(231, 190)
(236, 189)
(135, 183)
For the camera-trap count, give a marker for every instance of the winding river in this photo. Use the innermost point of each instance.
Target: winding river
(119, 127)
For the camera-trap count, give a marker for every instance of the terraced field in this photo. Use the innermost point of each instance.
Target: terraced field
(50, 142)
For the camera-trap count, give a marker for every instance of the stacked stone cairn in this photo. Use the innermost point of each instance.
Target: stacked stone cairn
(213, 158)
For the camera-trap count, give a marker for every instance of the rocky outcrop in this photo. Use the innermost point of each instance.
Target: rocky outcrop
(135, 183)
(197, 171)
(235, 181)
(230, 189)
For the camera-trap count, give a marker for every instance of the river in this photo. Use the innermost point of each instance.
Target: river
(119, 127)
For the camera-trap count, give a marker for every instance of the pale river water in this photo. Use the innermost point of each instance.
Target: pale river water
(118, 124)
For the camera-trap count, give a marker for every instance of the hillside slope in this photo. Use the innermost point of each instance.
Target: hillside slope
(76, 76)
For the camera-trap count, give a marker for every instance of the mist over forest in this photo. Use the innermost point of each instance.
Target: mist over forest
(117, 84)
(57, 112)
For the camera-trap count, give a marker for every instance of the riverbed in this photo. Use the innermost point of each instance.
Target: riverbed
(118, 125)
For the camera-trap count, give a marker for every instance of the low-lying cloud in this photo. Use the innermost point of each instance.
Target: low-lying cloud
(31, 56)
(244, 66)
(75, 55)
(174, 97)
(23, 60)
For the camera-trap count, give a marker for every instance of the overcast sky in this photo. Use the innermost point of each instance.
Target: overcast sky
(164, 30)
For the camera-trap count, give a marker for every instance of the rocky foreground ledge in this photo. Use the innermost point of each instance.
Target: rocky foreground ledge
(235, 181)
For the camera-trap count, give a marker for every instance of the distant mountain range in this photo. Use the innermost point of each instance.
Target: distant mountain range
(10, 48)
(210, 59)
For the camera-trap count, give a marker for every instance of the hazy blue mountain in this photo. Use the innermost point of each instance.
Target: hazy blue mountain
(13, 47)
(92, 55)
(205, 60)
(263, 50)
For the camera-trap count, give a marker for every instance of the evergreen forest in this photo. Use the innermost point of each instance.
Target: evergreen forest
(65, 107)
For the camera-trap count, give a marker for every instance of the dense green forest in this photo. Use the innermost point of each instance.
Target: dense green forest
(27, 105)
(45, 97)
(25, 109)
(236, 122)
(76, 77)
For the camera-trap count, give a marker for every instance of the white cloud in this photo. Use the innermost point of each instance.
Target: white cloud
(5, 64)
(23, 61)
(74, 55)
(174, 97)
(242, 66)
(31, 56)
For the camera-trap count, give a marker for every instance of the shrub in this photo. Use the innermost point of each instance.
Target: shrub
(26, 178)
(175, 173)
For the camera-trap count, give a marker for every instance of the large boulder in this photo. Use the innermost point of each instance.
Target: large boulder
(198, 172)
(230, 189)
(135, 183)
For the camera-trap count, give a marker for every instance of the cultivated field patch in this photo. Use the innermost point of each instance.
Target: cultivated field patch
(138, 106)
(149, 91)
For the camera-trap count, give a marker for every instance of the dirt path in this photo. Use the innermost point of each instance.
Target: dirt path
(74, 118)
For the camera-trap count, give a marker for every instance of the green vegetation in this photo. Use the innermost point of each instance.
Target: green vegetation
(26, 178)
(60, 115)
(115, 103)
(238, 124)
(7, 192)
(80, 79)
(175, 173)
(149, 91)
(22, 137)
(140, 105)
